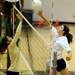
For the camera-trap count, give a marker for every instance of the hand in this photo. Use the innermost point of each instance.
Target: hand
(1, 13)
(68, 58)
(9, 39)
(40, 13)
(19, 17)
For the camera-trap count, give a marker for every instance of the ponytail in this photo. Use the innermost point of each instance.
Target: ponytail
(69, 37)
(67, 34)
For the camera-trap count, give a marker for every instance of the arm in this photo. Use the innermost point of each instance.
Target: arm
(65, 45)
(44, 18)
(22, 2)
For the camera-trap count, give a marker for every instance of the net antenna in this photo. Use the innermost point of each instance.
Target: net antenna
(54, 53)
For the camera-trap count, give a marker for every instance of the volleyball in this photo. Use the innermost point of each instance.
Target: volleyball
(36, 5)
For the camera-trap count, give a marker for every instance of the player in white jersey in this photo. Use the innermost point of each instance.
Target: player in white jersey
(61, 40)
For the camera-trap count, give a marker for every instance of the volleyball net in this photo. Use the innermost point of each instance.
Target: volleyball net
(33, 48)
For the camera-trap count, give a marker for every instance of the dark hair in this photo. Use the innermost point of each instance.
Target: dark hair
(67, 34)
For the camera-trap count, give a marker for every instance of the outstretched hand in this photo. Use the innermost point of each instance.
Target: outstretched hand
(40, 13)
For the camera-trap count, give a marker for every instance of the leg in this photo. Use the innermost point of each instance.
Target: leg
(64, 72)
(48, 71)
(7, 19)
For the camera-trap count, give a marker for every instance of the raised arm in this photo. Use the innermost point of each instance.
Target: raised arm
(40, 13)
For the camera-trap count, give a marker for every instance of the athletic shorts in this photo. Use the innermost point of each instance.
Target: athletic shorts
(8, 6)
(61, 64)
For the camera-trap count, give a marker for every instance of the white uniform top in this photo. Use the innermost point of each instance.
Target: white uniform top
(12, 0)
(59, 43)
